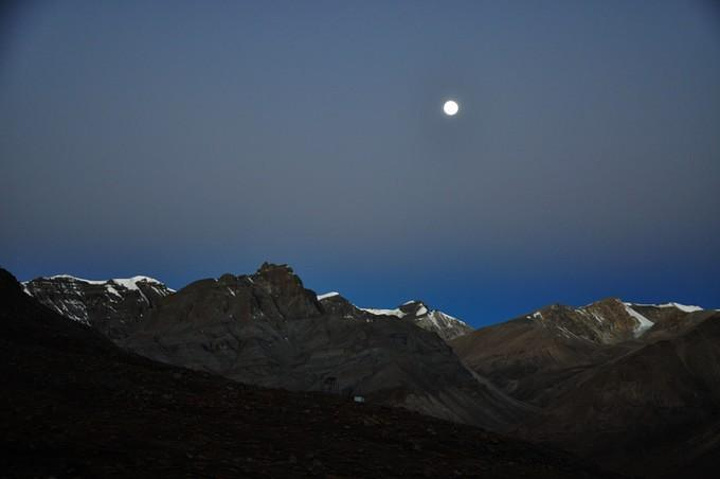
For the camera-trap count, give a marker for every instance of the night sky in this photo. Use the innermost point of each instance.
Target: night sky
(183, 140)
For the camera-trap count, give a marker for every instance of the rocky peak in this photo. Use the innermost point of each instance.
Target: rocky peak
(335, 304)
(278, 279)
(414, 311)
(414, 308)
(273, 293)
(608, 321)
(276, 271)
(286, 290)
(444, 325)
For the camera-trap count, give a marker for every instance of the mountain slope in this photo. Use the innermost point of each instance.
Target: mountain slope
(655, 410)
(112, 307)
(539, 355)
(416, 312)
(267, 329)
(542, 354)
(74, 405)
(633, 387)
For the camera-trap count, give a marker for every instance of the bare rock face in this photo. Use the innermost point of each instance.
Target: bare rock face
(653, 411)
(112, 307)
(533, 357)
(267, 329)
(633, 387)
(442, 324)
(540, 355)
(605, 322)
(416, 312)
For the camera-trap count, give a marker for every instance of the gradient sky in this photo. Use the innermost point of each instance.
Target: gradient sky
(182, 140)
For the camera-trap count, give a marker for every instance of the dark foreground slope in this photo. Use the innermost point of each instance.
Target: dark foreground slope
(73, 405)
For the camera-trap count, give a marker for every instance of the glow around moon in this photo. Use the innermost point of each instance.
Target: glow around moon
(451, 108)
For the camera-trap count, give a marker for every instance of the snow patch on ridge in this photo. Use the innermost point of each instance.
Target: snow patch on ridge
(129, 283)
(682, 307)
(331, 294)
(74, 278)
(384, 312)
(440, 319)
(643, 323)
(111, 285)
(112, 291)
(435, 318)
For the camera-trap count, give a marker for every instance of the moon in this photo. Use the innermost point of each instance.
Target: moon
(451, 108)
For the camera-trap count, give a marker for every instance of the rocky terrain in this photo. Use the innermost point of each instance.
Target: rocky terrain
(112, 307)
(632, 387)
(267, 329)
(416, 312)
(542, 354)
(75, 405)
(652, 411)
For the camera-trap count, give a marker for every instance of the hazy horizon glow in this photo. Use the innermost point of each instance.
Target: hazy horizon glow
(191, 141)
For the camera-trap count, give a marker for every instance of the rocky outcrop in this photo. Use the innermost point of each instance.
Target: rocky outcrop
(112, 307)
(605, 322)
(442, 324)
(415, 312)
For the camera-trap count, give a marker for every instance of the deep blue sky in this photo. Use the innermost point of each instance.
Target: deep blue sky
(187, 139)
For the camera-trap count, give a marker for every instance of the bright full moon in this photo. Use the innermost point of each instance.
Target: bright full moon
(451, 108)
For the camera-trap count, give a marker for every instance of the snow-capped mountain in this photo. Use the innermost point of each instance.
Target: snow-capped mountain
(611, 321)
(416, 312)
(660, 388)
(111, 306)
(682, 307)
(608, 321)
(539, 355)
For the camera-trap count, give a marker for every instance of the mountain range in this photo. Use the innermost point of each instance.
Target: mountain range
(76, 405)
(632, 387)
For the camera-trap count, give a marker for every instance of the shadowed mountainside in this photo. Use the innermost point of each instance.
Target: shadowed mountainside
(416, 312)
(267, 329)
(632, 387)
(74, 405)
(654, 411)
(112, 307)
